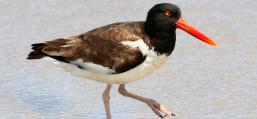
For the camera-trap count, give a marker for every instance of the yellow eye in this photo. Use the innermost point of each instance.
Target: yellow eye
(167, 13)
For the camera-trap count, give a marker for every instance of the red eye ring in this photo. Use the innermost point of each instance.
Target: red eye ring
(167, 13)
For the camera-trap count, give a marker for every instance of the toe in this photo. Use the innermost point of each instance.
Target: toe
(165, 111)
(156, 111)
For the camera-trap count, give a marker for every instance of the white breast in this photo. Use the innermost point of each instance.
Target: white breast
(102, 74)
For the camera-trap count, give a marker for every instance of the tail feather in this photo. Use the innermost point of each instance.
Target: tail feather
(56, 49)
(37, 46)
(36, 53)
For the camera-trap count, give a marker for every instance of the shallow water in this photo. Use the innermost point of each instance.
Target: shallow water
(197, 82)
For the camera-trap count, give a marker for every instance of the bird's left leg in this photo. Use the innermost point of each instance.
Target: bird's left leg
(155, 106)
(106, 100)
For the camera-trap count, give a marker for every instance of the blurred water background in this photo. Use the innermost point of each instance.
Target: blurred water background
(197, 82)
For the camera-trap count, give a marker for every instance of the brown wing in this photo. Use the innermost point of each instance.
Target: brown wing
(101, 46)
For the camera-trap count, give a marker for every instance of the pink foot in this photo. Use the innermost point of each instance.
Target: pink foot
(158, 109)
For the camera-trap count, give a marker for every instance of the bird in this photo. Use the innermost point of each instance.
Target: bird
(122, 52)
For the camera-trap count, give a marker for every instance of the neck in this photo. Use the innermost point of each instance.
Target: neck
(162, 39)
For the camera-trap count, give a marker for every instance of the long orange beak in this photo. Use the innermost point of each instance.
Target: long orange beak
(181, 24)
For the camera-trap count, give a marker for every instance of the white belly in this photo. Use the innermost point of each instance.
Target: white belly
(151, 64)
(102, 74)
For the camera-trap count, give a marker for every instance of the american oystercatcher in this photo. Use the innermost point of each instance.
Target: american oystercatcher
(122, 52)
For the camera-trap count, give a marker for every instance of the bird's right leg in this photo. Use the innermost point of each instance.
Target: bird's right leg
(155, 106)
(106, 100)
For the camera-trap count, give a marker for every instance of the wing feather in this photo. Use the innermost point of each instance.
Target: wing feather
(100, 46)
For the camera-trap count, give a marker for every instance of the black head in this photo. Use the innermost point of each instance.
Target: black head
(164, 16)
(161, 23)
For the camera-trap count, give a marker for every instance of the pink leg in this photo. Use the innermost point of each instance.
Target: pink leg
(106, 100)
(155, 106)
